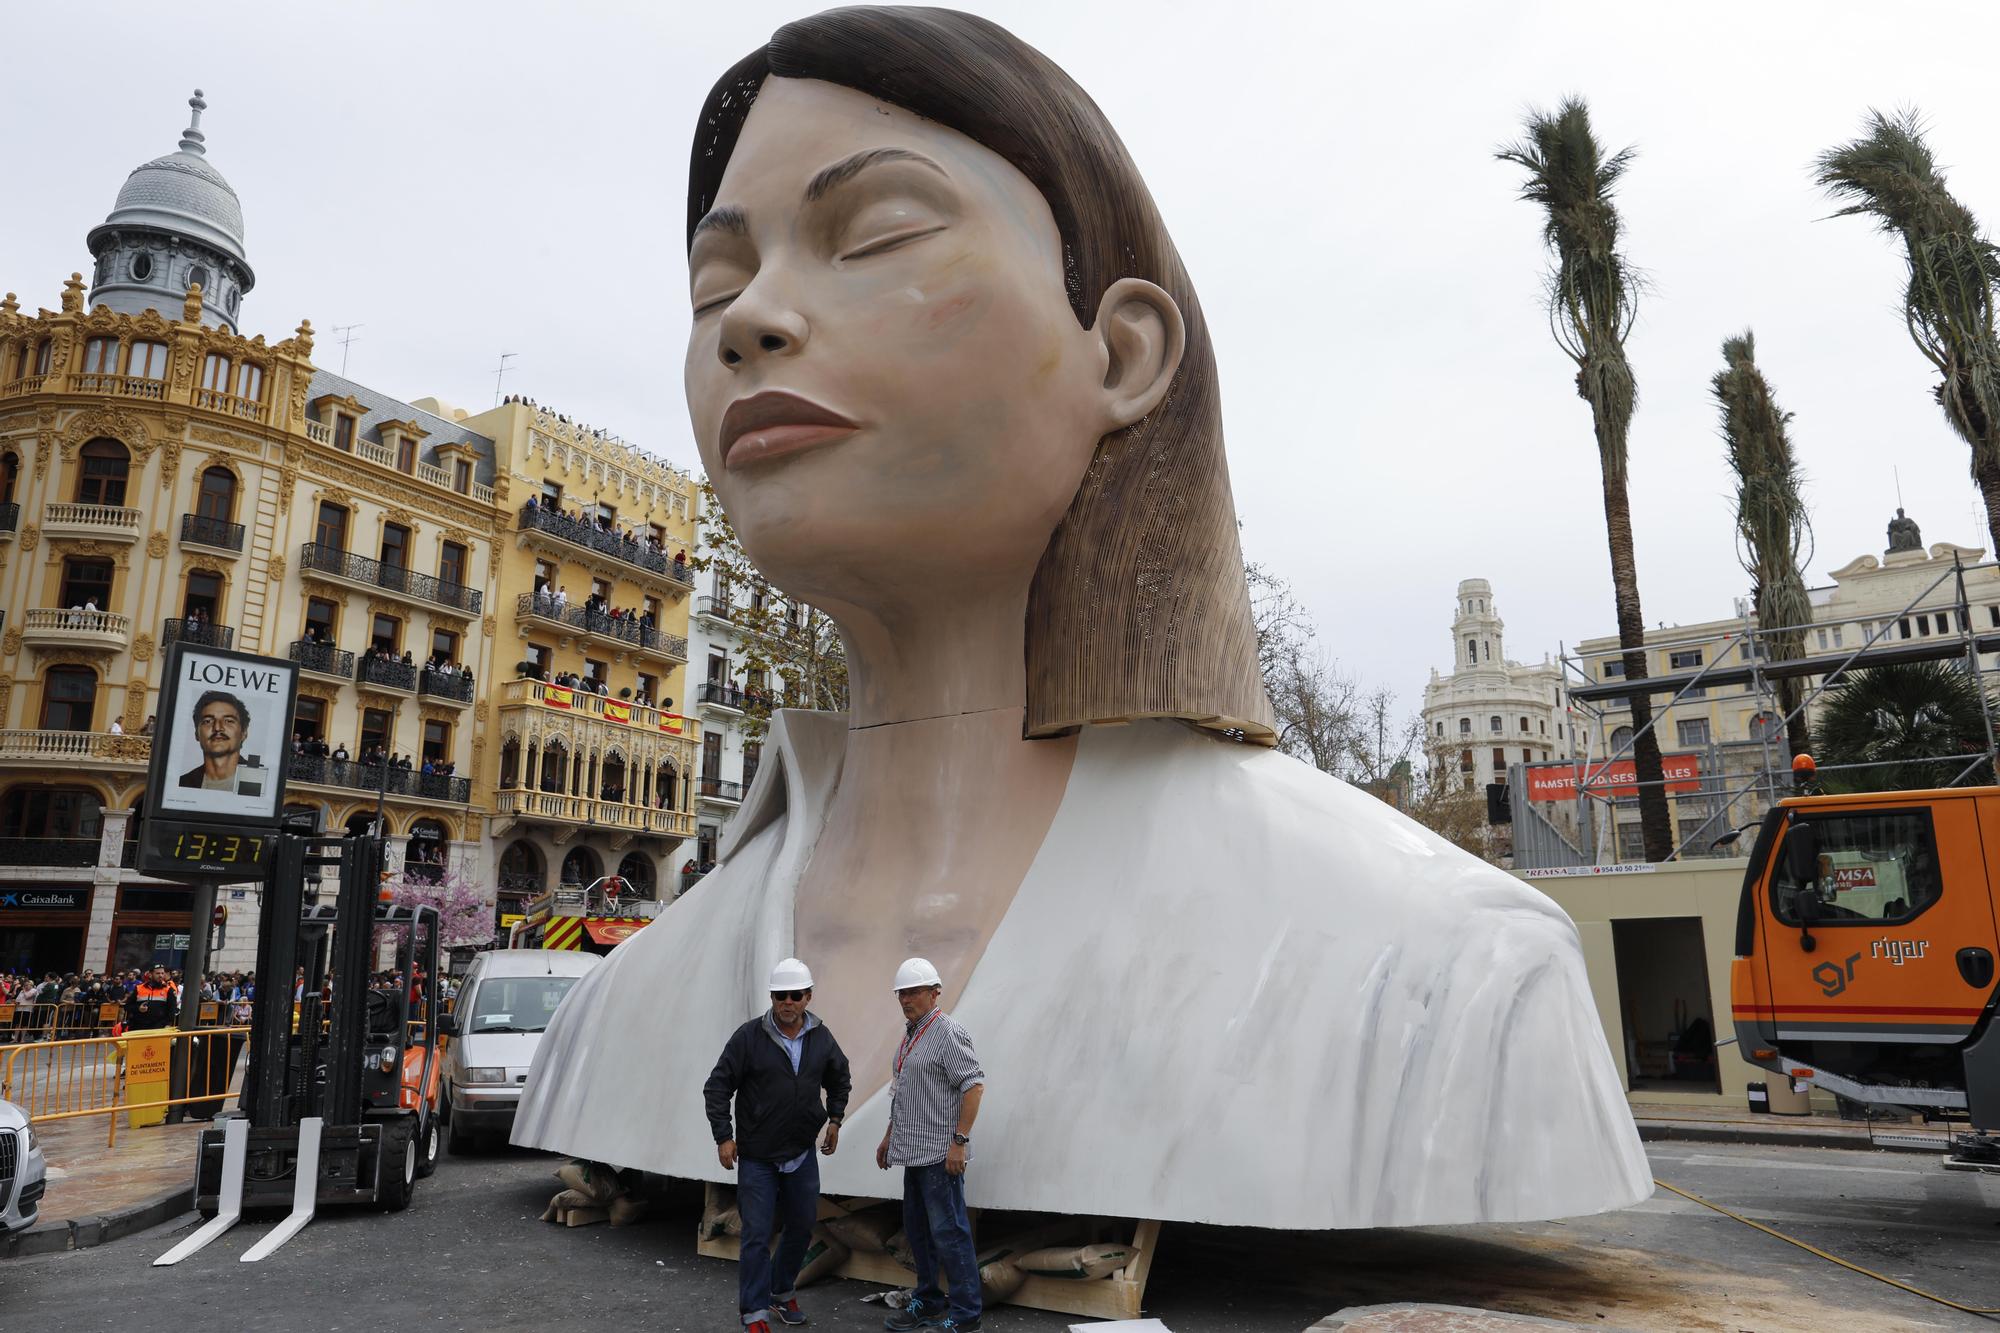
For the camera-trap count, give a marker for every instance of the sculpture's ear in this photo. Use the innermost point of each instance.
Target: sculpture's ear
(1142, 335)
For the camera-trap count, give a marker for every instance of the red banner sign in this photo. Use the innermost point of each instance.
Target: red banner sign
(1557, 782)
(1853, 877)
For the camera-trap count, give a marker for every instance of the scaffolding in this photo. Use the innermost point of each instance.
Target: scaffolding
(1739, 780)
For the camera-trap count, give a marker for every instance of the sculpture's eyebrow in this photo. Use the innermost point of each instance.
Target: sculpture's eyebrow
(848, 168)
(728, 219)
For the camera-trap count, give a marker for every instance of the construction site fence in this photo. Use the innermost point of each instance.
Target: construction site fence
(58, 1022)
(68, 1080)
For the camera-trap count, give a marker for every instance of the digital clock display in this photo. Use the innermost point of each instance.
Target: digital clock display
(174, 849)
(227, 849)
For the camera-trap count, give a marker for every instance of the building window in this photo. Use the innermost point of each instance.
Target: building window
(142, 267)
(461, 475)
(250, 383)
(395, 545)
(1614, 670)
(43, 350)
(215, 372)
(1465, 726)
(320, 618)
(1685, 660)
(1495, 724)
(385, 633)
(1923, 625)
(100, 356)
(406, 453)
(437, 741)
(204, 594)
(1465, 761)
(1440, 727)
(541, 656)
(10, 476)
(101, 473)
(86, 582)
(545, 575)
(647, 690)
(1471, 651)
(309, 718)
(1559, 731)
(595, 670)
(1904, 624)
(343, 431)
(148, 361)
(198, 276)
(1836, 636)
(551, 495)
(444, 646)
(753, 756)
(1542, 725)
(1499, 764)
(601, 589)
(1764, 727)
(1631, 843)
(1822, 640)
(374, 729)
(69, 698)
(451, 563)
(217, 497)
(607, 517)
(1621, 740)
(1524, 724)
(1691, 731)
(330, 529)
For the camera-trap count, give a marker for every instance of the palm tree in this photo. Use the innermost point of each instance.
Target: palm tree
(1772, 527)
(1593, 296)
(1898, 716)
(1889, 174)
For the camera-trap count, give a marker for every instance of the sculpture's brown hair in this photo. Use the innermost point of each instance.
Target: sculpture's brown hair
(1139, 607)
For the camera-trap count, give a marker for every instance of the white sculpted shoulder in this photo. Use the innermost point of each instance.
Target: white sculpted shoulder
(1281, 1003)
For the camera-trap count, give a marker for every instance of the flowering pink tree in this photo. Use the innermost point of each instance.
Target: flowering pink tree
(465, 914)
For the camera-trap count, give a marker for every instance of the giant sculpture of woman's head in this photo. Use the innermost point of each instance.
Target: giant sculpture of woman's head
(944, 349)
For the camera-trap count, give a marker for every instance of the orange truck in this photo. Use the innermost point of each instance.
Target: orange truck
(1865, 946)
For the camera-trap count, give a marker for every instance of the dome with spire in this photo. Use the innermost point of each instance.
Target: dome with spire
(176, 222)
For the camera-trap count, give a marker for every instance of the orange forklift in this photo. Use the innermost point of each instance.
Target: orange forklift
(1865, 946)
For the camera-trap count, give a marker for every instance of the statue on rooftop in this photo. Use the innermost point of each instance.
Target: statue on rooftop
(1904, 534)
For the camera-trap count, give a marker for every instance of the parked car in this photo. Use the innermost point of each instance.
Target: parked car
(504, 1005)
(23, 1173)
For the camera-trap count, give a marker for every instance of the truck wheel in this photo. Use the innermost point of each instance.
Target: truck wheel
(430, 1146)
(398, 1167)
(460, 1143)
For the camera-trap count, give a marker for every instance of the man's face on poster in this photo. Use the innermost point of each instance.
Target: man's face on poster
(219, 730)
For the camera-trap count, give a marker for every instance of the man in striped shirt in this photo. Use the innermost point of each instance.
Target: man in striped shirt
(934, 1094)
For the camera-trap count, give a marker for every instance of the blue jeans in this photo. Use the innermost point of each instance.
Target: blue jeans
(770, 1200)
(940, 1235)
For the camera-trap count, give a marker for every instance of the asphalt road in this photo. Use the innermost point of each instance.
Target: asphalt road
(470, 1254)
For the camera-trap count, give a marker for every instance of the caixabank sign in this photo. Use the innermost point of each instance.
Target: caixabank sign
(44, 900)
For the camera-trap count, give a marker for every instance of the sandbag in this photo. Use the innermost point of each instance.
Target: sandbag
(824, 1256)
(625, 1210)
(898, 1247)
(1080, 1262)
(719, 1207)
(594, 1179)
(1000, 1279)
(867, 1230)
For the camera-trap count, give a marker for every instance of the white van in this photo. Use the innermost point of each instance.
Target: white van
(504, 1005)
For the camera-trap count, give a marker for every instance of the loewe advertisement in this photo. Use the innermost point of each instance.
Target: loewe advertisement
(222, 726)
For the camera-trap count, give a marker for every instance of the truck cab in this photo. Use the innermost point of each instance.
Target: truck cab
(1865, 946)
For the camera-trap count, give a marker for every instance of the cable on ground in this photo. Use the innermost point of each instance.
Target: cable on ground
(1830, 1258)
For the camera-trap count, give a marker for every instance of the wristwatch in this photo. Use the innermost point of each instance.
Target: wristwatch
(960, 1139)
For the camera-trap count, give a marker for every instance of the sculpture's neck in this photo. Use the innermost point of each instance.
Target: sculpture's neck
(949, 653)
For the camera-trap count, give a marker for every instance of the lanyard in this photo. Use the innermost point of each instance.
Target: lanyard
(910, 1042)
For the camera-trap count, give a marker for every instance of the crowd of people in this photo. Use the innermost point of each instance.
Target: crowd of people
(607, 526)
(374, 756)
(55, 1006)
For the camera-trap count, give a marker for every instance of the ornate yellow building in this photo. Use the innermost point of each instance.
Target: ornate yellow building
(163, 476)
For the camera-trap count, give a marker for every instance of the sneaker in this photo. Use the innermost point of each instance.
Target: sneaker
(789, 1311)
(911, 1316)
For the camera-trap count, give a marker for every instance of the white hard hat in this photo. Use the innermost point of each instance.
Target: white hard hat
(791, 975)
(917, 972)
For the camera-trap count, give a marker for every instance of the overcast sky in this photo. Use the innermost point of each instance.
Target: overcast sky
(463, 180)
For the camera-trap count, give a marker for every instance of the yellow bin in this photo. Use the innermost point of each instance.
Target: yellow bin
(148, 1057)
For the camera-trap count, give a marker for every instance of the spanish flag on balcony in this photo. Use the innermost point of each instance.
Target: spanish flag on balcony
(671, 723)
(556, 696)
(617, 712)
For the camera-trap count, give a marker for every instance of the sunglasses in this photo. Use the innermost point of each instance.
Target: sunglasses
(790, 994)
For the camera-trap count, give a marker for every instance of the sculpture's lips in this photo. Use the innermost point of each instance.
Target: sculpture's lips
(774, 423)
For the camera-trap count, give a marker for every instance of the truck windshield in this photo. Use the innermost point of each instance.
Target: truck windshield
(516, 1004)
(1874, 866)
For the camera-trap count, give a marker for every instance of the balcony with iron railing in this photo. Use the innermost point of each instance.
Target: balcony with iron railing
(390, 672)
(113, 523)
(451, 687)
(217, 534)
(360, 570)
(627, 630)
(718, 790)
(726, 697)
(98, 631)
(10, 518)
(588, 536)
(202, 632)
(353, 775)
(715, 608)
(536, 694)
(49, 851)
(62, 747)
(322, 659)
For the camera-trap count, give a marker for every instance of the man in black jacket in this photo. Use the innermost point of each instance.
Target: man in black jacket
(776, 1066)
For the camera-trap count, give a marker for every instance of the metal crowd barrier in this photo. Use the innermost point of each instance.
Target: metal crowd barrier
(68, 1079)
